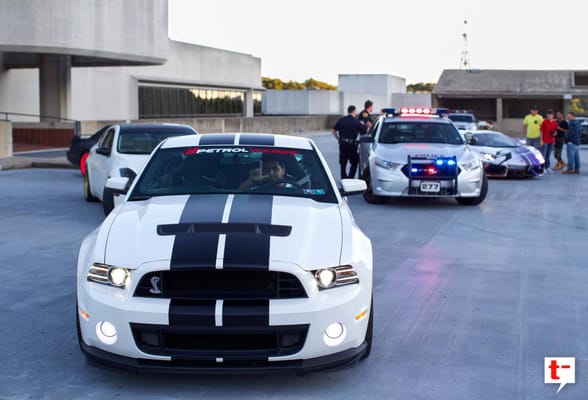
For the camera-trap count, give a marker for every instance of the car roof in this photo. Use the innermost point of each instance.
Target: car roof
(241, 138)
(136, 127)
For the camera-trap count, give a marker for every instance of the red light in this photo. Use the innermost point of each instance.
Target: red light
(431, 171)
(416, 110)
(426, 111)
(404, 110)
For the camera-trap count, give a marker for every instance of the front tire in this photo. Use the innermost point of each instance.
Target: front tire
(474, 201)
(369, 195)
(88, 196)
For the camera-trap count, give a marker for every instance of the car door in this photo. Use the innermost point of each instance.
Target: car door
(102, 159)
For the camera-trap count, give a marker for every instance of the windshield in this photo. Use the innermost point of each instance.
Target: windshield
(420, 132)
(144, 141)
(239, 169)
(494, 140)
(461, 118)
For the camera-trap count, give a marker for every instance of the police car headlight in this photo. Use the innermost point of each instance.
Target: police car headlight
(469, 162)
(109, 275)
(387, 164)
(327, 278)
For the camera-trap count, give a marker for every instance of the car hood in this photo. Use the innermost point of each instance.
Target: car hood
(399, 152)
(521, 155)
(259, 230)
(133, 161)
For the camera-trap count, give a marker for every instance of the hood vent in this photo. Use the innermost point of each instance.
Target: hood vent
(217, 227)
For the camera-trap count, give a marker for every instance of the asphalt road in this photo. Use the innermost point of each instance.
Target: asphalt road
(468, 300)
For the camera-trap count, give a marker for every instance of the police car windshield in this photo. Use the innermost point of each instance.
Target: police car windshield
(234, 169)
(419, 132)
(461, 118)
(489, 139)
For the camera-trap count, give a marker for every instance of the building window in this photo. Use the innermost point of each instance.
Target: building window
(257, 102)
(175, 102)
(580, 79)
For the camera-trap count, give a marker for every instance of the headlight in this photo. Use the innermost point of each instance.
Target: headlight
(469, 162)
(387, 164)
(538, 155)
(109, 275)
(488, 157)
(338, 276)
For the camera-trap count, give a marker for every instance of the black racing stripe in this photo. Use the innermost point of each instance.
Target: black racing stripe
(249, 250)
(198, 249)
(195, 313)
(207, 140)
(256, 140)
(246, 313)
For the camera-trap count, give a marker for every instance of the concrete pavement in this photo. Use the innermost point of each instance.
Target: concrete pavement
(50, 158)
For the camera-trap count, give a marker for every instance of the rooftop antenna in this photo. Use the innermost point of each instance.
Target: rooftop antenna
(465, 56)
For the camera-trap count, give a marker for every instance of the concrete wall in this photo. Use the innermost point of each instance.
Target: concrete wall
(5, 139)
(280, 125)
(376, 85)
(19, 93)
(130, 30)
(300, 102)
(410, 100)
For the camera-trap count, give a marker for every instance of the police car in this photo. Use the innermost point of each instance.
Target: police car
(121, 151)
(417, 152)
(464, 120)
(198, 272)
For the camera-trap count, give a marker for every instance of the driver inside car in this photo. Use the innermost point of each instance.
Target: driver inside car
(271, 171)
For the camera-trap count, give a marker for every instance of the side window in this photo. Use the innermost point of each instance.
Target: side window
(106, 140)
(375, 128)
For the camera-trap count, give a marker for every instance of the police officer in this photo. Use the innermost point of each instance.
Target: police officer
(345, 131)
(364, 148)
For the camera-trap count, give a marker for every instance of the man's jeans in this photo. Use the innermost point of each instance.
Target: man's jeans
(573, 151)
(546, 150)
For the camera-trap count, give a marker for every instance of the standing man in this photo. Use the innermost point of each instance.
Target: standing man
(345, 131)
(573, 140)
(562, 127)
(531, 125)
(364, 148)
(548, 130)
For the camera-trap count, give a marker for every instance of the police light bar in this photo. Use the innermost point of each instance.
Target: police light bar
(416, 110)
(389, 111)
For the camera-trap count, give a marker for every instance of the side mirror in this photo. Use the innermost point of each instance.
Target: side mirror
(352, 186)
(105, 151)
(366, 139)
(470, 139)
(118, 184)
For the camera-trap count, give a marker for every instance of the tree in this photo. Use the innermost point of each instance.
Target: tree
(278, 84)
(420, 87)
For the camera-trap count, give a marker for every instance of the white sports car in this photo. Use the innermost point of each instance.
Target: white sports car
(122, 151)
(230, 253)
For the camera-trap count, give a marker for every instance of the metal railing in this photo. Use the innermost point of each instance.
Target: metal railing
(44, 118)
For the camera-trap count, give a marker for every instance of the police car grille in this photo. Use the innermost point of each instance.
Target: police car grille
(210, 344)
(200, 284)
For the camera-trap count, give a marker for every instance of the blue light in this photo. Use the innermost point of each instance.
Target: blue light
(450, 162)
(388, 111)
(414, 170)
(440, 162)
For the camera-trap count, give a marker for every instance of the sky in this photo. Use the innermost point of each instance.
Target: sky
(415, 40)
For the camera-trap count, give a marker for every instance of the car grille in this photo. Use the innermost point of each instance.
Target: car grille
(210, 284)
(232, 343)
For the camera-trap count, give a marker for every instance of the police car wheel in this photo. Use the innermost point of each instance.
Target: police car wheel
(474, 201)
(87, 192)
(369, 195)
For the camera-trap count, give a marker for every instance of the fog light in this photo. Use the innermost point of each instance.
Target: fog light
(325, 277)
(106, 332)
(334, 334)
(118, 276)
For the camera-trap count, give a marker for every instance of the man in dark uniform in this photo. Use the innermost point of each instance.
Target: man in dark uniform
(345, 131)
(364, 148)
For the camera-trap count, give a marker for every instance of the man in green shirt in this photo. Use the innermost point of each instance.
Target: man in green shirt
(532, 128)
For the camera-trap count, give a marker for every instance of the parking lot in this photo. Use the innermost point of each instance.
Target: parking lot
(467, 300)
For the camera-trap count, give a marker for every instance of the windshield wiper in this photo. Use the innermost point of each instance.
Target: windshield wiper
(140, 198)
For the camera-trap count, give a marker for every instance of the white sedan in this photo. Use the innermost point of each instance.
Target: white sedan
(122, 151)
(230, 253)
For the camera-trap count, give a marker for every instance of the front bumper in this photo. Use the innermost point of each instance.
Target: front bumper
(395, 183)
(349, 305)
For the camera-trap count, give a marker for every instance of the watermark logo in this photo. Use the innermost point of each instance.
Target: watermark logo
(560, 370)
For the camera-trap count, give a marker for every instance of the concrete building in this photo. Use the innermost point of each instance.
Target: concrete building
(383, 90)
(505, 96)
(113, 60)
